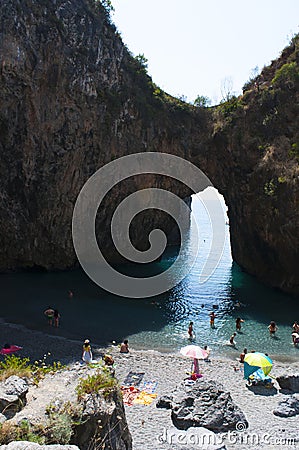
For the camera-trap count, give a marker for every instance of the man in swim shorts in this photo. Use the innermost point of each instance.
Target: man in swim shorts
(49, 313)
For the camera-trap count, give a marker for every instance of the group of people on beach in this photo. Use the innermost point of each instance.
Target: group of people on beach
(52, 316)
(108, 360)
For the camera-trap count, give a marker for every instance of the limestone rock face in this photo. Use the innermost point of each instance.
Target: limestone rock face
(72, 99)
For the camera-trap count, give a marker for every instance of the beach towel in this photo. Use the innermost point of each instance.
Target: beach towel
(10, 349)
(144, 398)
(149, 386)
(133, 378)
(129, 394)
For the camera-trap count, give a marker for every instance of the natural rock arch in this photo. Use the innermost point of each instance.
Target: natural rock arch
(73, 98)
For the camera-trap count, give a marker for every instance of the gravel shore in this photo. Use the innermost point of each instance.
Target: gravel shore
(152, 428)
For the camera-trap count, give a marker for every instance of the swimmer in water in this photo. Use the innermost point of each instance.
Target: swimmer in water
(212, 319)
(231, 341)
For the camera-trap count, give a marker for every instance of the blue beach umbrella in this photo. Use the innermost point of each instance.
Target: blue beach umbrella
(255, 361)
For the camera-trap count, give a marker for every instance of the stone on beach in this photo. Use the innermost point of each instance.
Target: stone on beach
(204, 404)
(289, 382)
(288, 407)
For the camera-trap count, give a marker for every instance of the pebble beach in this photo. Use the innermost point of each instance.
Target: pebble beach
(151, 427)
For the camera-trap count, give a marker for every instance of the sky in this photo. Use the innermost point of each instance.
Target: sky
(197, 47)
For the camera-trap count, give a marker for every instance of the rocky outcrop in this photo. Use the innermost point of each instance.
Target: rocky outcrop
(288, 407)
(12, 395)
(204, 404)
(289, 382)
(55, 413)
(72, 98)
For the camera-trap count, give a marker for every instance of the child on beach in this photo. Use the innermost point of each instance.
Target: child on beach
(238, 323)
(208, 350)
(87, 354)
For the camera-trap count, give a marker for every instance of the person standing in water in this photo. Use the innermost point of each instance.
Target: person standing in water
(212, 319)
(231, 341)
(87, 354)
(190, 330)
(272, 328)
(238, 323)
(56, 318)
(49, 313)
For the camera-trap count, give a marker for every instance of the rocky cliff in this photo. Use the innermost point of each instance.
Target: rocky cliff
(78, 405)
(73, 98)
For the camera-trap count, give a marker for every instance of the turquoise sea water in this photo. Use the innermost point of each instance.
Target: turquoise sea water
(160, 323)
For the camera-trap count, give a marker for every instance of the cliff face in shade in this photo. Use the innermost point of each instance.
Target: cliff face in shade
(72, 98)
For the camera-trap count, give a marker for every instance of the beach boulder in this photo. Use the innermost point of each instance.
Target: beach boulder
(205, 404)
(288, 407)
(164, 402)
(12, 394)
(289, 382)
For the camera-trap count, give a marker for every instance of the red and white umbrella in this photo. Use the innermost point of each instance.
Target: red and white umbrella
(194, 351)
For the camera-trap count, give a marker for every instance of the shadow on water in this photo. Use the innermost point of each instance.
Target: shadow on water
(91, 312)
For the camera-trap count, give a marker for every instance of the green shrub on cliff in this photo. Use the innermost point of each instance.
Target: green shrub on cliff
(22, 432)
(93, 384)
(294, 151)
(288, 73)
(21, 367)
(201, 101)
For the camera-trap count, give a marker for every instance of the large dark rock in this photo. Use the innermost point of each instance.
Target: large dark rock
(165, 402)
(288, 407)
(103, 423)
(205, 404)
(289, 382)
